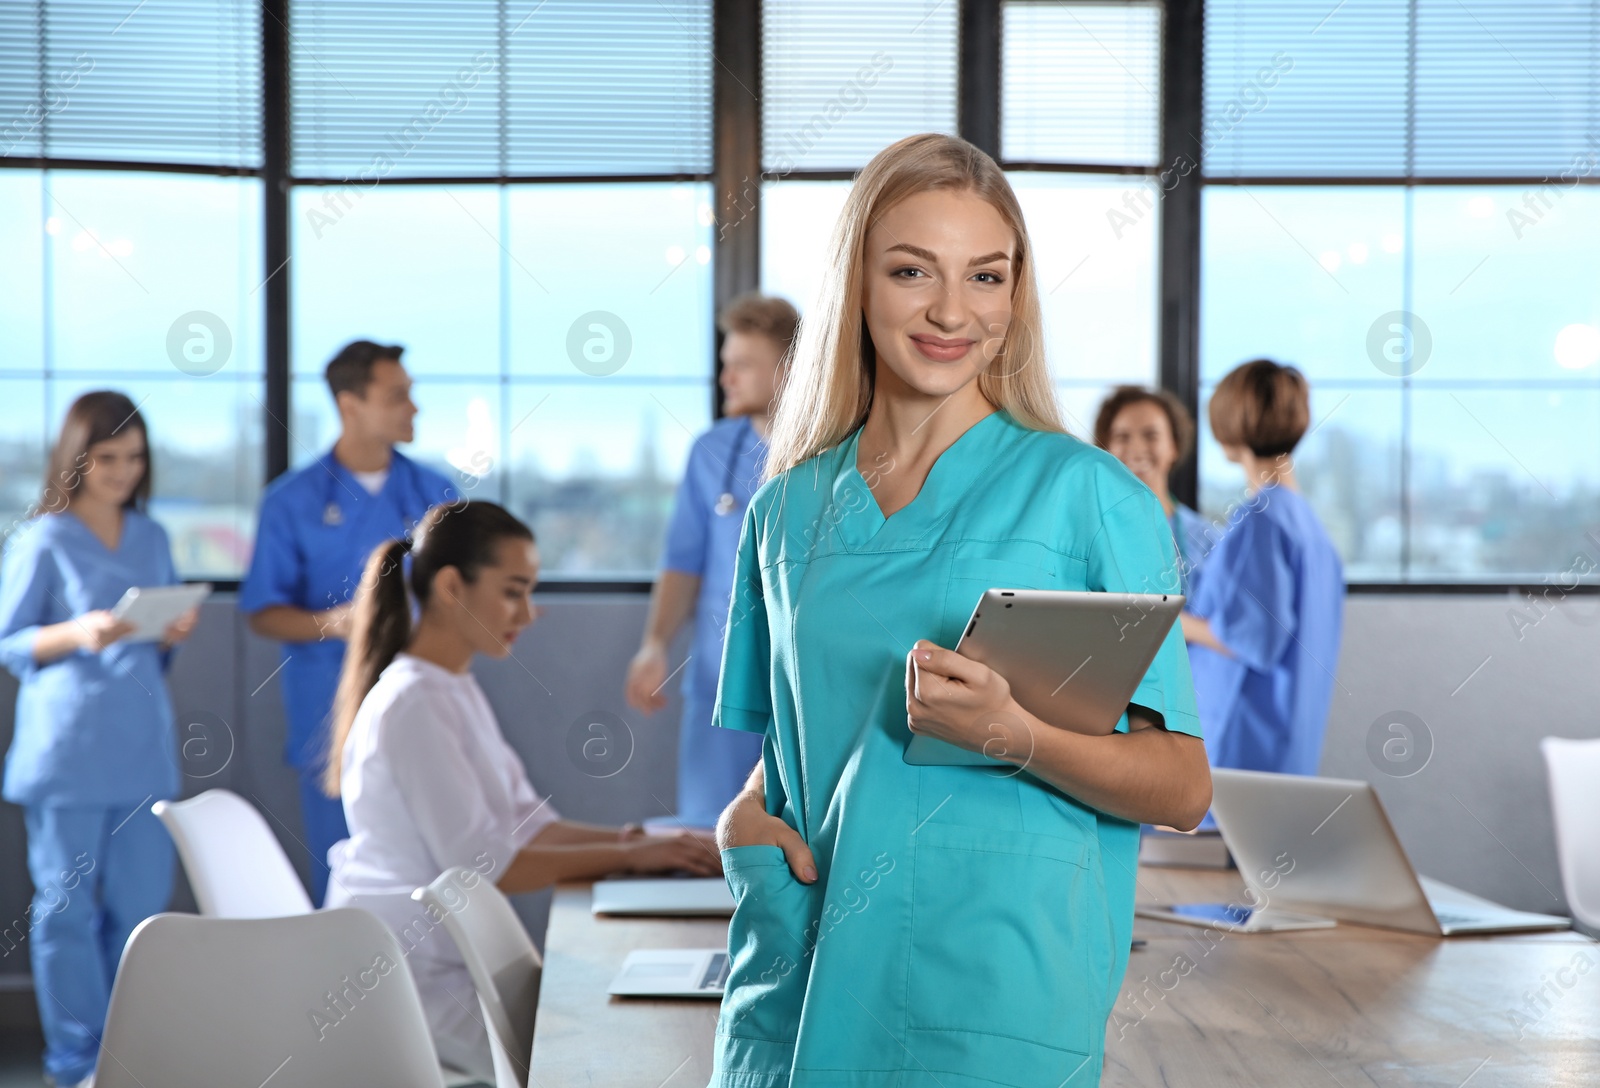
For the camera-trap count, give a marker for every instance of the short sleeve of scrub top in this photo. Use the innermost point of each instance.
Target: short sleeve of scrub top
(744, 690)
(685, 549)
(276, 569)
(27, 581)
(1133, 541)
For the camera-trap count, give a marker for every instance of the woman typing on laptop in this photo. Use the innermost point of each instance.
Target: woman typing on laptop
(428, 781)
(959, 924)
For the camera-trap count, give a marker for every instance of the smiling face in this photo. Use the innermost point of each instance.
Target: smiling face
(936, 289)
(114, 468)
(491, 611)
(1141, 438)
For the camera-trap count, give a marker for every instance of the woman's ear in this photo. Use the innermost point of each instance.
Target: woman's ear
(448, 585)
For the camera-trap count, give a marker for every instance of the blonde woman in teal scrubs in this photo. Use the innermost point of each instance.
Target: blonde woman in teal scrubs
(936, 927)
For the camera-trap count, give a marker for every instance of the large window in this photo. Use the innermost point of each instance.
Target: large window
(538, 200)
(146, 281)
(1441, 296)
(558, 334)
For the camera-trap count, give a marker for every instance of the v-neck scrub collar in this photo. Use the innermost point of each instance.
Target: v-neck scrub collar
(951, 476)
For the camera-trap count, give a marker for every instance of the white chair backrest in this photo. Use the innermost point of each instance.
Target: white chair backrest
(1574, 767)
(315, 999)
(504, 964)
(234, 862)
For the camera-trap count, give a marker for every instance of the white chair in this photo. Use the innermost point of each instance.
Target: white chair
(1574, 768)
(304, 1001)
(234, 862)
(504, 964)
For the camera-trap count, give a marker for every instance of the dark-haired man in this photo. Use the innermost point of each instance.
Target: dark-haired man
(317, 526)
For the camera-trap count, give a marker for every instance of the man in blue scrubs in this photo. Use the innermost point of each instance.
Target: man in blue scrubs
(317, 526)
(724, 470)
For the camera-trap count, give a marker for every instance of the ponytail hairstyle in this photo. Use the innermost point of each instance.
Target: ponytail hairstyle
(463, 535)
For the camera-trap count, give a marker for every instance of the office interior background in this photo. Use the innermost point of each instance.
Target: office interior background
(200, 200)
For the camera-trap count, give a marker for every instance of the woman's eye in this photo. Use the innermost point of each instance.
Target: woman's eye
(905, 271)
(994, 277)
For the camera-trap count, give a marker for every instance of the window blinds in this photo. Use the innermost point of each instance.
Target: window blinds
(1081, 83)
(173, 81)
(473, 88)
(843, 79)
(1397, 89)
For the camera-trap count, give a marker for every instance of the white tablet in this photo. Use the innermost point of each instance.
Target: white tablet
(150, 609)
(686, 897)
(672, 972)
(1073, 659)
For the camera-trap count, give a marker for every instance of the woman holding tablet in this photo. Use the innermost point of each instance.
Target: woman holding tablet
(922, 924)
(428, 781)
(94, 741)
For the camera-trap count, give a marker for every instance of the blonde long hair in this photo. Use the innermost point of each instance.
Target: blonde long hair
(828, 387)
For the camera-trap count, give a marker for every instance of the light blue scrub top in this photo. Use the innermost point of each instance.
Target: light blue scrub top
(702, 540)
(1273, 592)
(91, 728)
(317, 527)
(1194, 536)
(970, 926)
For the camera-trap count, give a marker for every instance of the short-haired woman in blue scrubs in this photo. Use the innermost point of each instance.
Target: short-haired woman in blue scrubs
(1151, 432)
(1264, 627)
(918, 924)
(95, 742)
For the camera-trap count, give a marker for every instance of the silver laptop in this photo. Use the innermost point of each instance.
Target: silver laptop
(672, 972)
(693, 897)
(1326, 845)
(1072, 658)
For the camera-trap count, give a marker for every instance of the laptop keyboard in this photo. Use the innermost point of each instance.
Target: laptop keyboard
(716, 976)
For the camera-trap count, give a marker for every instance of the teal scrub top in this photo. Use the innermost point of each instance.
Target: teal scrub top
(969, 926)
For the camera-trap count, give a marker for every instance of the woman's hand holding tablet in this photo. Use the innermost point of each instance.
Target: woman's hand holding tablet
(1071, 659)
(158, 611)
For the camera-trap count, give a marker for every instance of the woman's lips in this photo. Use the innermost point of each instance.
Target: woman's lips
(941, 350)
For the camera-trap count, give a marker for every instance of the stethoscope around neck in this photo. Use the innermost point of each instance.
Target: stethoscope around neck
(726, 503)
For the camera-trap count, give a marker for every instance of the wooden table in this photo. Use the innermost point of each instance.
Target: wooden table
(1351, 1005)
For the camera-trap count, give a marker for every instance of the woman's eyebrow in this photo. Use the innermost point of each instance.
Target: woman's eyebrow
(928, 255)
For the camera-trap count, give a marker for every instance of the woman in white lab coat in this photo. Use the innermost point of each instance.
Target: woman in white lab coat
(428, 781)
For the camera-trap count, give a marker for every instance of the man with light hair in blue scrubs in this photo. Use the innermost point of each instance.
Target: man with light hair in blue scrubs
(696, 580)
(317, 526)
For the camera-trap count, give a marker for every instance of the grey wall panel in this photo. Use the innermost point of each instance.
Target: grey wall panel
(1470, 804)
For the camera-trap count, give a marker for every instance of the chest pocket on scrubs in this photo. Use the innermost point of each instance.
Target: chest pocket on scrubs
(978, 566)
(1010, 962)
(771, 937)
